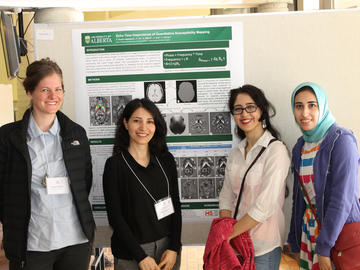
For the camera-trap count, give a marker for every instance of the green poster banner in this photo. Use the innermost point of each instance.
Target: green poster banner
(158, 76)
(199, 205)
(173, 139)
(157, 47)
(156, 36)
(184, 206)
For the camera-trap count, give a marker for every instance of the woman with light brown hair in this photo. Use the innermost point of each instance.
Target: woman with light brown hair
(45, 180)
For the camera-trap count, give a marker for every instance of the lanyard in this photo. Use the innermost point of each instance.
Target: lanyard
(46, 156)
(43, 182)
(167, 180)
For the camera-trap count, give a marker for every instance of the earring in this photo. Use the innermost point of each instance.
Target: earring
(264, 123)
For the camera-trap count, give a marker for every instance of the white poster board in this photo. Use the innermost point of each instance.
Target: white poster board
(187, 71)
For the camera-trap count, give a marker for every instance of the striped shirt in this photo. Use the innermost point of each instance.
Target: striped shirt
(310, 228)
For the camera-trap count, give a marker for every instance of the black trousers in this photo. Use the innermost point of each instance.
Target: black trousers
(74, 257)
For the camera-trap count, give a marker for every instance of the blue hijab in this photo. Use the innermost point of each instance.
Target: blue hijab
(326, 119)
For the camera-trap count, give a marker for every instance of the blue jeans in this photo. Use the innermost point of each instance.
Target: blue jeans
(269, 261)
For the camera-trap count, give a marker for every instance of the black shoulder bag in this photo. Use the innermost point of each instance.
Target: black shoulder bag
(242, 184)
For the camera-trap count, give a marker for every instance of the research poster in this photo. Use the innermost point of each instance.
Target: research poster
(187, 70)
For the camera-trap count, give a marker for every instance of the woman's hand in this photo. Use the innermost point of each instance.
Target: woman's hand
(225, 213)
(234, 233)
(243, 225)
(324, 263)
(148, 264)
(168, 259)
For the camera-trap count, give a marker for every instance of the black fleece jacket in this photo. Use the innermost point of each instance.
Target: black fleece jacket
(15, 181)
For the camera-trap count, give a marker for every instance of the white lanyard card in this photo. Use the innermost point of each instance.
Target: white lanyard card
(164, 208)
(57, 185)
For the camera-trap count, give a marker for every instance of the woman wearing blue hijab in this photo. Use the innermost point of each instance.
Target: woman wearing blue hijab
(325, 162)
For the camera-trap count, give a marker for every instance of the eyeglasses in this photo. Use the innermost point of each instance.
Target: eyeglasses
(248, 109)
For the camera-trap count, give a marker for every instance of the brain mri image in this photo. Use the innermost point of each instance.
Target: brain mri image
(206, 166)
(199, 123)
(118, 104)
(219, 183)
(186, 91)
(220, 123)
(220, 165)
(177, 124)
(207, 188)
(188, 167)
(189, 188)
(155, 91)
(99, 111)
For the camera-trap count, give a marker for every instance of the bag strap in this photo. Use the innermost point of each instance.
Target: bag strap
(309, 202)
(248, 169)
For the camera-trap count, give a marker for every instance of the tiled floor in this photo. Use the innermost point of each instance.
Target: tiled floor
(288, 263)
(191, 259)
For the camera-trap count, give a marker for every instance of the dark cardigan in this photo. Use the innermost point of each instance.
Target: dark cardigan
(128, 204)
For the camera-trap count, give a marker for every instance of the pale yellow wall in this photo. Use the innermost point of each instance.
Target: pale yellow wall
(20, 99)
(6, 104)
(346, 3)
(124, 15)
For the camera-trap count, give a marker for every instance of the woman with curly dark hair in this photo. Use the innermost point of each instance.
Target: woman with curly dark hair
(262, 189)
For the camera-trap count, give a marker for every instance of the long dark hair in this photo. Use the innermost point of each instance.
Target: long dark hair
(157, 144)
(260, 100)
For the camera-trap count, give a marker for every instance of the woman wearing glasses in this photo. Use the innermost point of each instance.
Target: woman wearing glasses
(260, 208)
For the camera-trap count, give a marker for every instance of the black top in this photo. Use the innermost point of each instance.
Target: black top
(15, 181)
(130, 208)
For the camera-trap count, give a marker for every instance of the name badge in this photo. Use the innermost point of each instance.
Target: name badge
(57, 185)
(164, 208)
